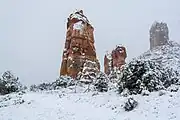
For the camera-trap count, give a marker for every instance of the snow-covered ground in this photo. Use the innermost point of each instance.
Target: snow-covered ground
(63, 105)
(77, 103)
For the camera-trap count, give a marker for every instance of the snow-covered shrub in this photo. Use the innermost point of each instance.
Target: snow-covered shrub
(33, 88)
(40, 87)
(9, 83)
(9, 100)
(101, 83)
(141, 75)
(114, 74)
(130, 104)
(61, 82)
(44, 86)
(173, 77)
(173, 88)
(89, 72)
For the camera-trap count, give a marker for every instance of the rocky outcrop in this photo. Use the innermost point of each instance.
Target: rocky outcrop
(163, 51)
(159, 34)
(168, 56)
(79, 45)
(115, 59)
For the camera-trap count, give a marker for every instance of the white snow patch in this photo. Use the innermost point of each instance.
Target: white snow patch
(78, 26)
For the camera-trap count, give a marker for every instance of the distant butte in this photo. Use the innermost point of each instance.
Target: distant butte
(159, 34)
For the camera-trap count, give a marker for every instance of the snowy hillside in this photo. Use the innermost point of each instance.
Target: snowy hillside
(67, 105)
(167, 55)
(68, 99)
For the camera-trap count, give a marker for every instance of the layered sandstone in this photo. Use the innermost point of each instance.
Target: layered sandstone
(159, 34)
(115, 59)
(79, 45)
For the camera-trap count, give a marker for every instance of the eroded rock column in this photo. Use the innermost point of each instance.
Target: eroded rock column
(159, 34)
(79, 45)
(115, 59)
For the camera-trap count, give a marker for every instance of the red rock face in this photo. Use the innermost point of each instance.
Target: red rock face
(79, 45)
(118, 56)
(115, 59)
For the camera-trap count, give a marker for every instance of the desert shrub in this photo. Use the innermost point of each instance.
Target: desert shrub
(9, 83)
(141, 75)
(101, 83)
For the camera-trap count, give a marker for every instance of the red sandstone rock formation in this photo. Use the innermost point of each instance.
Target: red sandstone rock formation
(79, 45)
(115, 59)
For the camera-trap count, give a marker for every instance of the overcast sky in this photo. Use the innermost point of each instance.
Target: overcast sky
(32, 32)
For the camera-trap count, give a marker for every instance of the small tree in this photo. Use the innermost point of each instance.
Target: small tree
(9, 83)
(101, 83)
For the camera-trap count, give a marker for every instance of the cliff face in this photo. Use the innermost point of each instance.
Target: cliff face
(115, 59)
(79, 45)
(159, 34)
